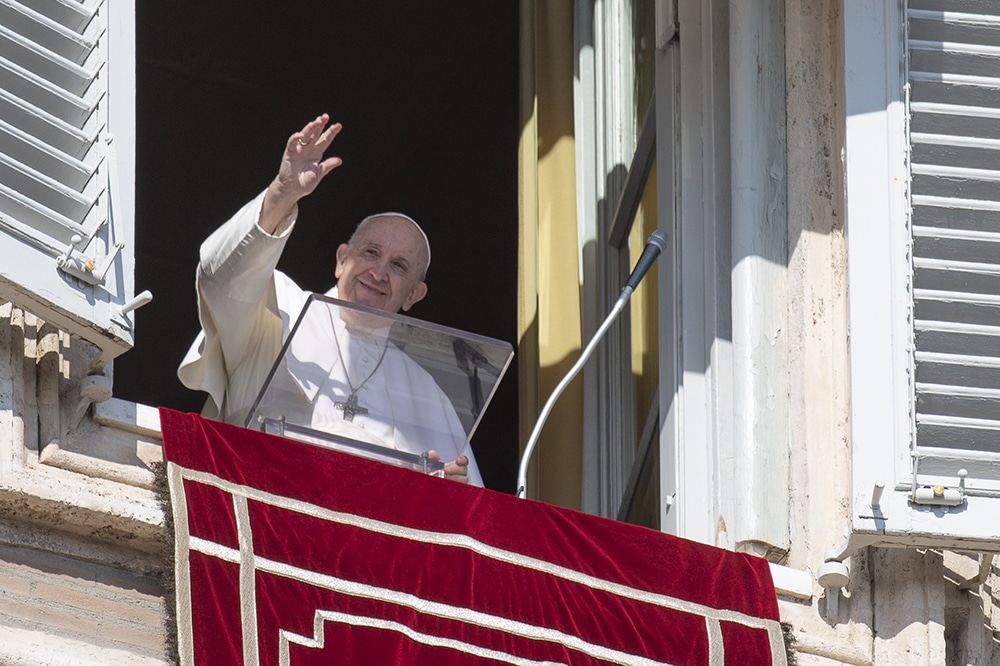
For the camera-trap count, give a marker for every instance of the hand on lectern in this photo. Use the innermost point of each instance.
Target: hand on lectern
(456, 470)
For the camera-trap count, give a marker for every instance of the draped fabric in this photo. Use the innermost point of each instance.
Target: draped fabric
(288, 553)
(549, 298)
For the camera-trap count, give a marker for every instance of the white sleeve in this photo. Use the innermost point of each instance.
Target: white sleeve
(236, 304)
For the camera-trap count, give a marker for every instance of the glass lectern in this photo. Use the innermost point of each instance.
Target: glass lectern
(383, 386)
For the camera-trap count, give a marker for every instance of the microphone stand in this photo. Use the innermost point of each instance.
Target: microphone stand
(657, 241)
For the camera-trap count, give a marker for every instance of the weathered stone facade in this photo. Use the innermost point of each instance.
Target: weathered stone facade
(83, 576)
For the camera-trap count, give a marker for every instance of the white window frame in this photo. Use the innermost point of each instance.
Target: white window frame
(606, 137)
(724, 447)
(879, 297)
(695, 361)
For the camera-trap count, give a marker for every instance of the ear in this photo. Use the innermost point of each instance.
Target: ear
(341, 258)
(416, 294)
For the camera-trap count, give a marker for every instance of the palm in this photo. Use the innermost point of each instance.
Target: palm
(302, 165)
(302, 168)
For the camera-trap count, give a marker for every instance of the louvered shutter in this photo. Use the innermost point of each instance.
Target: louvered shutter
(922, 176)
(67, 90)
(954, 130)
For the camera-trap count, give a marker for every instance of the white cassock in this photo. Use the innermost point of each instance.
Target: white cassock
(247, 309)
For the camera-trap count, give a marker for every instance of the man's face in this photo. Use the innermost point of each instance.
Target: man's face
(384, 267)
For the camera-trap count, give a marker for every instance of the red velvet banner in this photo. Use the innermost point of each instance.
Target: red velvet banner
(288, 553)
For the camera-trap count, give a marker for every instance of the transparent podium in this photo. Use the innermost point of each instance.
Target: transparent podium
(378, 385)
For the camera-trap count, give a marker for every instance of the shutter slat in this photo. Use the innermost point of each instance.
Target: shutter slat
(961, 91)
(53, 163)
(36, 91)
(38, 187)
(963, 183)
(45, 63)
(949, 433)
(938, 465)
(73, 14)
(982, 7)
(978, 248)
(25, 218)
(40, 29)
(41, 124)
(981, 345)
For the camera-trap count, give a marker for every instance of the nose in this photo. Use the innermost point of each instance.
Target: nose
(379, 270)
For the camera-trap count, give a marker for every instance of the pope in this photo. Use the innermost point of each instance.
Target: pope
(244, 301)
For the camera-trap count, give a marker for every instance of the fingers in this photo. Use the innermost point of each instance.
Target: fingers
(303, 165)
(312, 129)
(328, 165)
(457, 470)
(328, 135)
(461, 474)
(302, 168)
(314, 138)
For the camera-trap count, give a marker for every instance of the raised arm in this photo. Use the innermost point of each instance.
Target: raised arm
(302, 168)
(235, 271)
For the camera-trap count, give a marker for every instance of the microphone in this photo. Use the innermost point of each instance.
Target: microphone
(656, 243)
(654, 246)
(469, 357)
(470, 360)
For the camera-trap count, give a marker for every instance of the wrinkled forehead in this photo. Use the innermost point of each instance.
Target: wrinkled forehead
(397, 229)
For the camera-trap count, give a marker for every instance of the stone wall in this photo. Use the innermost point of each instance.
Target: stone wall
(83, 575)
(57, 609)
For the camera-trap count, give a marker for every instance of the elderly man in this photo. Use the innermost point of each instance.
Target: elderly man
(247, 307)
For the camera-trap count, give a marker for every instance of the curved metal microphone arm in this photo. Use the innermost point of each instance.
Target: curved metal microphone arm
(522, 474)
(654, 245)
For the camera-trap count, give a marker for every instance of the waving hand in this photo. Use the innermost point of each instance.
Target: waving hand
(302, 168)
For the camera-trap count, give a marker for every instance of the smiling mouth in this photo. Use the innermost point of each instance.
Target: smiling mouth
(371, 290)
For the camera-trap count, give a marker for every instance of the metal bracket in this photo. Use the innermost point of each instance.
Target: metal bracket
(82, 267)
(272, 426)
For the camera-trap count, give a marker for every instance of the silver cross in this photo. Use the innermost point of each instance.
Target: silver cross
(351, 408)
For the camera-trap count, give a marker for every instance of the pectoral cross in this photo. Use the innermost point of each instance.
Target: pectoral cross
(351, 408)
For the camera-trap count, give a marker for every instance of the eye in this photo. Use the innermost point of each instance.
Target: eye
(400, 267)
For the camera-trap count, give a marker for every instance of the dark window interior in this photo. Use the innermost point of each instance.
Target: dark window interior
(427, 94)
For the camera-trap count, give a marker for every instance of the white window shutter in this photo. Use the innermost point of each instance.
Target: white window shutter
(922, 162)
(954, 76)
(67, 145)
